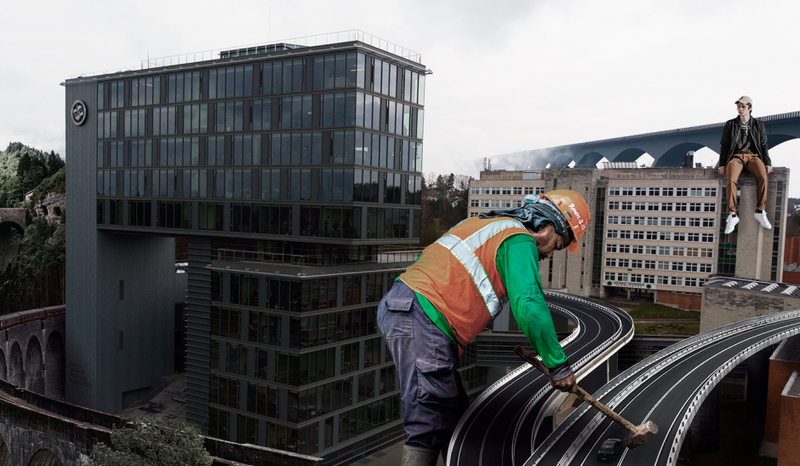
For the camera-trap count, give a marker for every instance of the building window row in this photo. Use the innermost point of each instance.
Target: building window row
(304, 440)
(663, 206)
(293, 112)
(659, 250)
(303, 369)
(662, 192)
(506, 190)
(495, 203)
(658, 265)
(661, 235)
(654, 279)
(312, 331)
(297, 295)
(694, 222)
(326, 184)
(309, 148)
(315, 221)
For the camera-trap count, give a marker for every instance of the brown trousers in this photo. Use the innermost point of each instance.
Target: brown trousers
(754, 165)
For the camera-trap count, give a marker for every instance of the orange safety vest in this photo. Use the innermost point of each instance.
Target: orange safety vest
(458, 274)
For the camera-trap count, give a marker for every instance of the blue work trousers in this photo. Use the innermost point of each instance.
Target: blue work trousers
(431, 394)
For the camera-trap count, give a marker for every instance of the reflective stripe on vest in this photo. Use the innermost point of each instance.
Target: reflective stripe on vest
(464, 251)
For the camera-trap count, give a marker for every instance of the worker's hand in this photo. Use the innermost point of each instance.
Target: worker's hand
(769, 169)
(721, 171)
(567, 384)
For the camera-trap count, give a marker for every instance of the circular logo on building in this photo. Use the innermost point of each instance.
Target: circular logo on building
(78, 112)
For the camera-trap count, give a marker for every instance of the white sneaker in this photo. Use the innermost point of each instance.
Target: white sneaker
(762, 219)
(733, 219)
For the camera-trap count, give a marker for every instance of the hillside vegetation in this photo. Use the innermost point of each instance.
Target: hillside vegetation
(23, 169)
(36, 277)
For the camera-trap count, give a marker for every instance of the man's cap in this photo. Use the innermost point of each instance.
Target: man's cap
(745, 100)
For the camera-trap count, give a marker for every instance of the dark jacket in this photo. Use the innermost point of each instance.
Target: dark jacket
(731, 133)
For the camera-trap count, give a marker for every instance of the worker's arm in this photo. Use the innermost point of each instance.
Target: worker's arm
(518, 265)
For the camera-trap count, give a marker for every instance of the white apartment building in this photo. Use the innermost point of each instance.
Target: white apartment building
(655, 233)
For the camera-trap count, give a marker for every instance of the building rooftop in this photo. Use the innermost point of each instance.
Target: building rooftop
(788, 350)
(792, 387)
(278, 46)
(777, 289)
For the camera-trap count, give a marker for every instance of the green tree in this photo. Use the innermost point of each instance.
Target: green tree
(54, 163)
(10, 192)
(152, 441)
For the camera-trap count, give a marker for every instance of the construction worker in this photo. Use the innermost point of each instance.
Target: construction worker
(452, 293)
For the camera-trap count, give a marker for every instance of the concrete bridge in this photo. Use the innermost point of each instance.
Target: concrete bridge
(666, 147)
(37, 428)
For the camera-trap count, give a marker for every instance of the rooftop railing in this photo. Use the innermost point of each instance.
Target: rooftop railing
(285, 44)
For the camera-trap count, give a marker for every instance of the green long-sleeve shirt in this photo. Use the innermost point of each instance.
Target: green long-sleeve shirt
(518, 265)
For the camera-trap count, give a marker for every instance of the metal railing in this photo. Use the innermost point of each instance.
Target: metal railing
(306, 260)
(285, 44)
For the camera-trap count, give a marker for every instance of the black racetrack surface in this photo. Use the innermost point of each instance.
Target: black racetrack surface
(498, 427)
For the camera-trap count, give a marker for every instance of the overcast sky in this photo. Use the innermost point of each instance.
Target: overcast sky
(508, 75)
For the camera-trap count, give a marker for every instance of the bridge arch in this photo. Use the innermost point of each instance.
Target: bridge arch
(16, 374)
(629, 155)
(34, 367)
(3, 369)
(561, 161)
(54, 366)
(45, 457)
(590, 160)
(775, 139)
(674, 156)
(4, 455)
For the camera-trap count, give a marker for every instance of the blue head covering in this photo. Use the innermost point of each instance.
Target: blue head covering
(535, 213)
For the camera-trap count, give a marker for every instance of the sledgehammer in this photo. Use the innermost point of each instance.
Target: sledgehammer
(639, 434)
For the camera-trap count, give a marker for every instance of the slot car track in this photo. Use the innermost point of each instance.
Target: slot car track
(498, 426)
(501, 426)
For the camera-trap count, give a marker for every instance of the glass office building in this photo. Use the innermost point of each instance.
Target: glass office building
(294, 172)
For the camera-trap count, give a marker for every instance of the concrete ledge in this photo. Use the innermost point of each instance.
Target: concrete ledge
(255, 455)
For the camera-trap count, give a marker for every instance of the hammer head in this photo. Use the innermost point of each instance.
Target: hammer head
(642, 435)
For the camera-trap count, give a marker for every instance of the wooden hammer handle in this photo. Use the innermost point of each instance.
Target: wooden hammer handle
(582, 394)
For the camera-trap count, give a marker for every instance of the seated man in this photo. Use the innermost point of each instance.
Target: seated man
(744, 145)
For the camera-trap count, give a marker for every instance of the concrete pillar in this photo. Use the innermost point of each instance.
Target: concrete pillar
(757, 386)
(595, 379)
(704, 431)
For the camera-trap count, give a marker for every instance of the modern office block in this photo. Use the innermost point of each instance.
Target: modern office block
(294, 172)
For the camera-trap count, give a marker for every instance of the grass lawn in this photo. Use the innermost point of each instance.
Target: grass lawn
(671, 328)
(650, 310)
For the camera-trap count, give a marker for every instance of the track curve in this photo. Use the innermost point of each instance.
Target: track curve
(509, 409)
(667, 388)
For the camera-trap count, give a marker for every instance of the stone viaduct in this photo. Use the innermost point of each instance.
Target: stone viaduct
(37, 428)
(666, 147)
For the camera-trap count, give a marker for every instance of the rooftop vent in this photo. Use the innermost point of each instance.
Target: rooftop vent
(770, 288)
